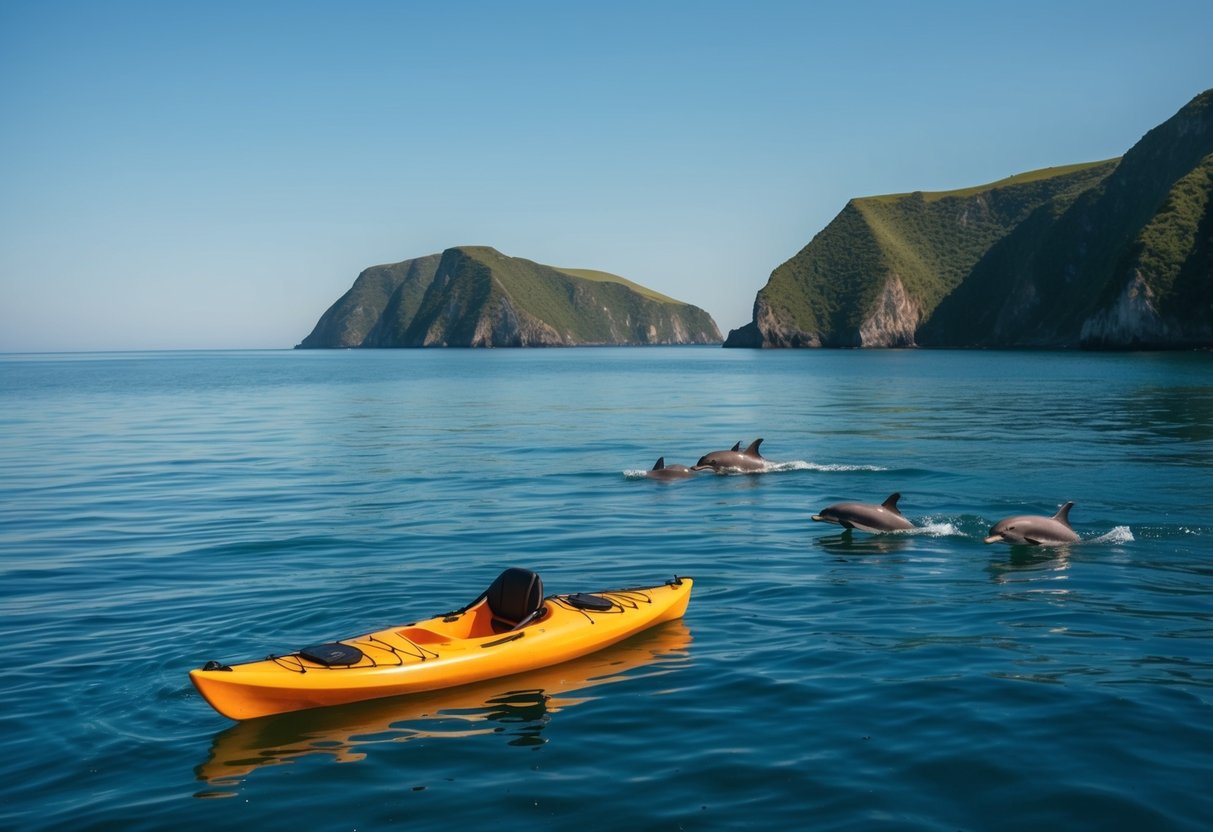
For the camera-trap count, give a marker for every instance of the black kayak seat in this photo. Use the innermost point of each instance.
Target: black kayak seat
(515, 598)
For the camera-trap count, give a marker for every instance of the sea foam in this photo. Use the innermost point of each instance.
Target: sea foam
(1119, 534)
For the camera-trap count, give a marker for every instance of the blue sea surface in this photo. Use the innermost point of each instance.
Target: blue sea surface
(158, 510)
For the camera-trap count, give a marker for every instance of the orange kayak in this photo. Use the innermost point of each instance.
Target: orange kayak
(511, 628)
(502, 705)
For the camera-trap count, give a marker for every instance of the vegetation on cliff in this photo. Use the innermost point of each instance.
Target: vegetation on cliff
(1126, 264)
(1106, 254)
(475, 296)
(882, 266)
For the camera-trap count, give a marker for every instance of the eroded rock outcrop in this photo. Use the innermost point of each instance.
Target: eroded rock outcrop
(893, 318)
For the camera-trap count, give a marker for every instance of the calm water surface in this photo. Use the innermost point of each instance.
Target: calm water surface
(160, 510)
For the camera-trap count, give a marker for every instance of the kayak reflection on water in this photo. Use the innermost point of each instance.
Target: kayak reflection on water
(519, 707)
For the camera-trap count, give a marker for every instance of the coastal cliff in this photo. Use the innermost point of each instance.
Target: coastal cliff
(1114, 254)
(475, 296)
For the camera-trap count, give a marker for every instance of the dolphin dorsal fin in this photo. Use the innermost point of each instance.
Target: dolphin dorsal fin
(1063, 514)
(736, 447)
(659, 464)
(753, 449)
(891, 502)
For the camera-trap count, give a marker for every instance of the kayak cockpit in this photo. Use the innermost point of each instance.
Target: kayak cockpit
(420, 635)
(512, 601)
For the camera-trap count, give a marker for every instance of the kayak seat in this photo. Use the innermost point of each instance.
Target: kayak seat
(514, 599)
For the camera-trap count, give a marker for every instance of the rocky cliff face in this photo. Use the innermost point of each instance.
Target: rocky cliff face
(892, 320)
(879, 269)
(377, 308)
(1124, 265)
(1133, 318)
(474, 296)
(1116, 254)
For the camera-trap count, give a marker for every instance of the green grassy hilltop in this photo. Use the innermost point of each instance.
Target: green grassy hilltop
(475, 296)
(1103, 254)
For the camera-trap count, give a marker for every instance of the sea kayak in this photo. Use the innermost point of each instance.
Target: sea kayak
(511, 628)
(521, 705)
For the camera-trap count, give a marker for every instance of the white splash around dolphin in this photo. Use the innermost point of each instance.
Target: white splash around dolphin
(934, 528)
(1119, 534)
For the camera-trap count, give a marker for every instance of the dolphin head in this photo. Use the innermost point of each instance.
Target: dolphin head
(1011, 530)
(714, 460)
(829, 514)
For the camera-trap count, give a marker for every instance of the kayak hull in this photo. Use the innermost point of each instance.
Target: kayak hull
(441, 652)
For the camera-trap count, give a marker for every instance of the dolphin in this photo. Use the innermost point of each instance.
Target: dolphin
(1034, 529)
(748, 461)
(661, 471)
(867, 517)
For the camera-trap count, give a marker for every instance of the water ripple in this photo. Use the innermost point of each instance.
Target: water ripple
(161, 510)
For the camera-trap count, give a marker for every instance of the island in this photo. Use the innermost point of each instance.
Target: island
(475, 296)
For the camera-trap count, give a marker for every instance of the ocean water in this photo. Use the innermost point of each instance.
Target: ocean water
(159, 510)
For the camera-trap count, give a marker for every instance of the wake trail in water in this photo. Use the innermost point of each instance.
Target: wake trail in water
(1120, 534)
(933, 529)
(804, 465)
(928, 530)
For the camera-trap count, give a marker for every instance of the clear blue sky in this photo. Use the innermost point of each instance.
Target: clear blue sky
(214, 175)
